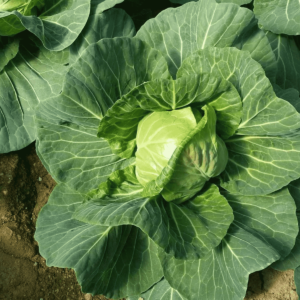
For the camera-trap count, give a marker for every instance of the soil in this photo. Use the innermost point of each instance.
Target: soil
(25, 187)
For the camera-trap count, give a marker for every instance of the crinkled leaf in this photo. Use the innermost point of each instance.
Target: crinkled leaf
(109, 24)
(119, 126)
(114, 181)
(58, 25)
(264, 228)
(179, 32)
(115, 261)
(263, 113)
(292, 261)
(68, 124)
(261, 165)
(8, 50)
(278, 16)
(160, 291)
(288, 60)
(33, 76)
(186, 231)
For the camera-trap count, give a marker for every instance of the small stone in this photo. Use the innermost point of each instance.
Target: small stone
(40, 179)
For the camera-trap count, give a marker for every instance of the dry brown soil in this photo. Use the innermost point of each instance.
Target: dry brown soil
(25, 187)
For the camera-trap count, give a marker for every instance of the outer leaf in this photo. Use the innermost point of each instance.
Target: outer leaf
(238, 2)
(57, 27)
(263, 230)
(160, 291)
(292, 261)
(14, 126)
(297, 279)
(98, 6)
(261, 165)
(115, 261)
(290, 95)
(179, 32)
(68, 124)
(263, 112)
(119, 126)
(278, 16)
(8, 50)
(288, 60)
(72, 153)
(33, 76)
(186, 231)
(110, 24)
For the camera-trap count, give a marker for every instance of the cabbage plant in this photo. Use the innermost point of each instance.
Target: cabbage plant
(32, 69)
(177, 163)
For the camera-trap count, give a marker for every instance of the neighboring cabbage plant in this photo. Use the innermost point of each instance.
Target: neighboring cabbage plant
(30, 73)
(177, 165)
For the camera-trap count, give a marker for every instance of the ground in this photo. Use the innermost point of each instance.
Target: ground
(25, 187)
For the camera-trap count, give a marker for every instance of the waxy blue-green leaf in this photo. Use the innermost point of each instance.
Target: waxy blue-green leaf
(115, 261)
(186, 231)
(72, 153)
(238, 2)
(179, 32)
(119, 126)
(278, 16)
(9, 48)
(291, 95)
(15, 127)
(33, 76)
(68, 123)
(99, 6)
(57, 26)
(264, 229)
(263, 113)
(37, 74)
(109, 24)
(160, 291)
(259, 165)
(297, 280)
(288, 60)
(262, 162)
(292, 261)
